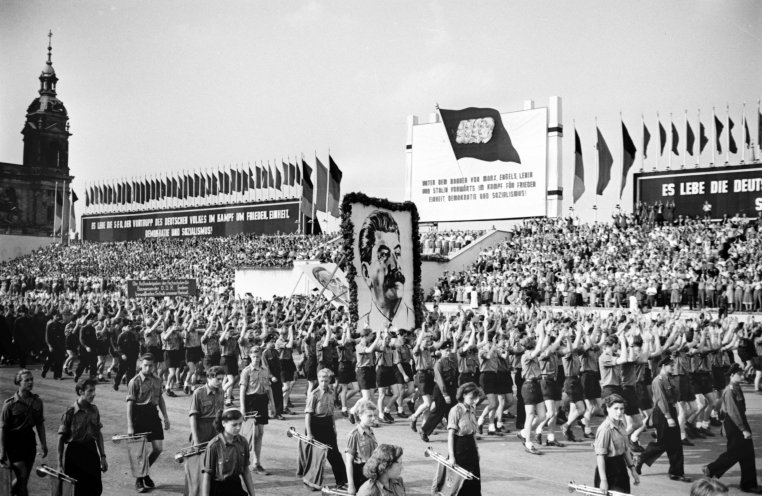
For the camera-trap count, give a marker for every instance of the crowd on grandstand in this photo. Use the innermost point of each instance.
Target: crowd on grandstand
(447, 242)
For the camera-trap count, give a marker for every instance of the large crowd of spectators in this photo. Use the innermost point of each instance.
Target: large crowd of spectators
(692, 263)
(447, 242)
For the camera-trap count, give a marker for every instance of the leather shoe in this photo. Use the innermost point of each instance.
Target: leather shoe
(423, 436)
(752, 490)
(686, 442)
(680, 478)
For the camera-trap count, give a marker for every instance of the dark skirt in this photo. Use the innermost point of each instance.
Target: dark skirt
(145, 418)
(467, 457)
(229, 487)
(82, 462)
(616, 474)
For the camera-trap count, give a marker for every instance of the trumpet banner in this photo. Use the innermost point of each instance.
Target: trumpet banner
(193, 466)
(446, 482)
(60, 487)
(310, 464)
(6, 478)
(137, 454)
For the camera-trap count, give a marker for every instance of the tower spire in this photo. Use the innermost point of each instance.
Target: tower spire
(50, 48)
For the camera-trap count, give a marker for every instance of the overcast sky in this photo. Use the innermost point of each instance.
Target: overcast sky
(155, 86)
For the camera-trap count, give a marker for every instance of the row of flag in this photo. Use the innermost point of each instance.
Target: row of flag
(235, 183)
(723, 134)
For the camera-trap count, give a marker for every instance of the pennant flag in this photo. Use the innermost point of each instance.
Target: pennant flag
(732, 142)
(579, 169)
(718, 127)
(307, 189)
(703, 140)
(479, 133)
(746, 137)
(662, 139)
(690, 139)
(605, 161)
(646, 140)
(270, 177)
(334, 187)
(629, 156)
(278, 178)
(291, 174)
(322, 185)
(675, 139)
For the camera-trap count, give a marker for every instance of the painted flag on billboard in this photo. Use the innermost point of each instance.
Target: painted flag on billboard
(322, 185)
(629, 156)
(718, 127)
(479, 133)
(731, 141)
(675, 139)
(307, 189)
(690, 139)
(334, 187)
(605, 161)
(662, 139)
(646, 140)
(579, 169)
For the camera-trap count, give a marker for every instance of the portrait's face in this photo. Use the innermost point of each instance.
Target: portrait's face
(383, 274)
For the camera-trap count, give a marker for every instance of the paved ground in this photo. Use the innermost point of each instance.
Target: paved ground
(506, 469)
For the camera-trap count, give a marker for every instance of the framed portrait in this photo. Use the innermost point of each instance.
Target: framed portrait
(383, 266)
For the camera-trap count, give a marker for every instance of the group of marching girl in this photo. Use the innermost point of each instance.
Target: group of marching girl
(677, 375)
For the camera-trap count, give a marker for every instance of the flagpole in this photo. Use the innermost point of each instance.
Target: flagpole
(642, 142)
(685, 141)
(71, 214)
(658, 130)
(727, 134)
(714, 135)
(597, 172)
(55, 208)
(671, 144)
(63, 205)
(743, 131)
(698, 128)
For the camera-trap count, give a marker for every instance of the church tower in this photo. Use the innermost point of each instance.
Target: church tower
(46, 130)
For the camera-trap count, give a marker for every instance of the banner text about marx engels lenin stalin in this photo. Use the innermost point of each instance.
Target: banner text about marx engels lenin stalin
(213, 221)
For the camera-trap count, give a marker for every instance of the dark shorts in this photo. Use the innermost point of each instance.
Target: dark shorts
(551, 391)
(408, 372)
(684, 389)
(756, 362)
(488, 382)
(609, 390)
(644, 396)
(719, 379)
(145, 418)
(591, 385)
(257, 403)
(504, 383)
(173, 358)
(229, 364)
(531, 392)
(573, 389)
(211, 361)
(287, 370)
(366, 378)
(156, 351)
(310, 368)
(347, 373)
(193, 355)
(631, 403)
(101, 348)
(424, 381)
(21, 446)
(385, 376)
(465, 377)
(701, 383)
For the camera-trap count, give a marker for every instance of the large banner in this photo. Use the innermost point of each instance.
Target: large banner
(160, 288)
(727, 190)
(329, 279)
(270, 218)
(479, 164)
(383, 262)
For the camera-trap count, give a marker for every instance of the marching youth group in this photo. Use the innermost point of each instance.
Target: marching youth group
(464, 372)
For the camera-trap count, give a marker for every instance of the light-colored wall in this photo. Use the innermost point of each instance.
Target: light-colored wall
(12, 246)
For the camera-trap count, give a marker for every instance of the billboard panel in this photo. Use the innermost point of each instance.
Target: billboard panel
(446, 189)
(161, 287)
(269, 218)
(728, 190)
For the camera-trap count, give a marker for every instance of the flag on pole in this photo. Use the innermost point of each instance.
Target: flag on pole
(278, 178)
(605, 161)
(245, 181)
(322, 185)
(646, 140)
(675, 139)
(662, 139)
(718, 127)
(579, 169)
(291, 174)
(58, 218)
(270, 177)
(284, 167)
(479, 133)
(690, 138)
(703, 140)
(759, 128)
(334, 187)
(746, 136)
(731, 141)
(298, 172)
(307, 189)
(72, 214)
(629, 151)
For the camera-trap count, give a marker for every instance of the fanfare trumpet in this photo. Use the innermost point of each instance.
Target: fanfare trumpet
(443, 461)
(593, 491)
(184, 453)
(328, 491)
(292, 432)
(45, 470)
(128, 437)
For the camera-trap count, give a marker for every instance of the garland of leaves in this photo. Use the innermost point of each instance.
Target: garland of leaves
(347, 232)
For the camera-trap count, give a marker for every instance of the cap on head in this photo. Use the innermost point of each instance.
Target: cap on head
(667, 360)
